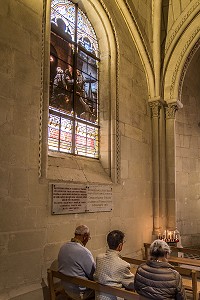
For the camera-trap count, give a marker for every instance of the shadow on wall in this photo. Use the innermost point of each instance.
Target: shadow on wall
(165, 13)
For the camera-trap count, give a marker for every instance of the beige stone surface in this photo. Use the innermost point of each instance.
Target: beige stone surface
(188, 157)
(59, 232)
(24, 241)
(24, 15)
(18, 262)
(30, 236)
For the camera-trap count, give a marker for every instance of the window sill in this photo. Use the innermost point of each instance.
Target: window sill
(70, 168)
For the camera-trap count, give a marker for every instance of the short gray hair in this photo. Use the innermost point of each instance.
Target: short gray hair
(81, 230)
(159, 248)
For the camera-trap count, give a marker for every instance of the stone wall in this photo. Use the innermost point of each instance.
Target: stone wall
(23, 200)
(188, 158)
(30, 236)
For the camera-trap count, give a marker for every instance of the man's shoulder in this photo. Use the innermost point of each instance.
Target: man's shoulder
(71, 246)
(101, 255)
(67, 244)
(123, 262)
(75, 249)
(76, 246)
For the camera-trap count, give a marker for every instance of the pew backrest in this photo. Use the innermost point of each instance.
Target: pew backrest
(52, 274)
(191, 262)
(184, 272)
(187, 251)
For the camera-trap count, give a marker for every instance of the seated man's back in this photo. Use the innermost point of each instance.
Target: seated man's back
(76, 260)
(111, 269)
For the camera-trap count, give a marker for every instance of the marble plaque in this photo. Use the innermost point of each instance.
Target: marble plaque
(80, 198)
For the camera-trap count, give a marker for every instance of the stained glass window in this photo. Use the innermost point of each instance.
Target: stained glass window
(73, 102)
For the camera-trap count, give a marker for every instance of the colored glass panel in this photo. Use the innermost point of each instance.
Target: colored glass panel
(73, 121)
(66, 135)
(86, 138)
(63, 14)
(60, 133)
(86, 36)
(61, 75)
(53, 132)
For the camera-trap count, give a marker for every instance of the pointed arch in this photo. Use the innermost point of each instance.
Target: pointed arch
(140, 46)
(180, 48)
(178, 29)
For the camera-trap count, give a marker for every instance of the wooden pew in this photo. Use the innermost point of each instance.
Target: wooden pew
(53, 289)
(175, 260)
(181, 263)
(189, 276)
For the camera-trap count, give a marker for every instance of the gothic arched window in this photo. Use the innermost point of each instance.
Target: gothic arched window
(73, 96)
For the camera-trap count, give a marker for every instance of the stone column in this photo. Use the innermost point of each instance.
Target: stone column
(170, 111)
(155, 109)
(162, 140)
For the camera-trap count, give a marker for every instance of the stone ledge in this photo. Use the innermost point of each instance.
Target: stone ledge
(63, 167)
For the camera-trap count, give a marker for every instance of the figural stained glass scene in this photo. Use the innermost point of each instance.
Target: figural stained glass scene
(73, 96)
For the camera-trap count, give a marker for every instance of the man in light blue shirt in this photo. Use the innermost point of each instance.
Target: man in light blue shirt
(74, 259)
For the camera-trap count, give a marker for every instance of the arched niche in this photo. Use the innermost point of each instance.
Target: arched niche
(187, 130)
(108, 93)
(186, 33)
(177, 60)
(139, 42)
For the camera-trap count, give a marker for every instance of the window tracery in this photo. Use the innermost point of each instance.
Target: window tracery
(73, 103)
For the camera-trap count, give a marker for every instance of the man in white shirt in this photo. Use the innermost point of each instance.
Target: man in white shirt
(74, 259)
(111, 269)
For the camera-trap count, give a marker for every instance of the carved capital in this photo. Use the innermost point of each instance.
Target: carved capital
(155, 109)
(170, 110)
